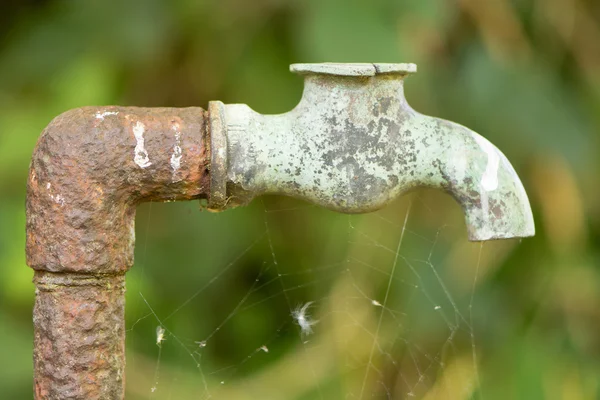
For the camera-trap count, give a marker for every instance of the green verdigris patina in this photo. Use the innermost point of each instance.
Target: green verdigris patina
(353, 144)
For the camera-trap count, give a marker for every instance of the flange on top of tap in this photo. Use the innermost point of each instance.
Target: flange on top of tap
(354, 69)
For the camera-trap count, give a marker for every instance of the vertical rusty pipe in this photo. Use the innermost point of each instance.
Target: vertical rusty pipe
(90, 169)
(79, 335)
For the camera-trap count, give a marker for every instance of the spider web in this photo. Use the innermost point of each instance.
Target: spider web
(390, 299)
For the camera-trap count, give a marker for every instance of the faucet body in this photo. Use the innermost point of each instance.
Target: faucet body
(352, 144)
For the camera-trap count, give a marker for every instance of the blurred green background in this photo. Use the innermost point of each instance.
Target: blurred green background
(523, 73)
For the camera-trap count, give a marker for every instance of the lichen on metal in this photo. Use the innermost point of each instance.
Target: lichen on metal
(353, 144)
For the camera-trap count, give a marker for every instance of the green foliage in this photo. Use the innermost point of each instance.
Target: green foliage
(511, 74)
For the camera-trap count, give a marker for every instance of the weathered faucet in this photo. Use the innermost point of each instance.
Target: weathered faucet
(352, 144)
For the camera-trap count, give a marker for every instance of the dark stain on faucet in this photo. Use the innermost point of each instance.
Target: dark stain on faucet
(382, 106)
(496, 210)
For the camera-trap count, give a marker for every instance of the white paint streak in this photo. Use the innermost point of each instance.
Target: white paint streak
(101, 115)
(58, 199)
(176, 156)
(141, 155)
(489, 179)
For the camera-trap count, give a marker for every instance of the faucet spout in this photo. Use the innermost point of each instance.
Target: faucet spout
(461, 162)
(353, 144)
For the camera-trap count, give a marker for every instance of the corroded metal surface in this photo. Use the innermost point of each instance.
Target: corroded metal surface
(79, 336)
(353, 144)
(90, 169)
(218, 149)
(92, 166)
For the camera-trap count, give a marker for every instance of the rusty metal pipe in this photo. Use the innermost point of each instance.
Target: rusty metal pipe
(79, 335)
(89, 170)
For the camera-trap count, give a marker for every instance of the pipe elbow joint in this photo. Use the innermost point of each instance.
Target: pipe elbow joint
(92, 166)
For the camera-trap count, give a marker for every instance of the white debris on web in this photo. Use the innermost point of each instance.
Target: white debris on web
(304, 320)
(160, 335)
